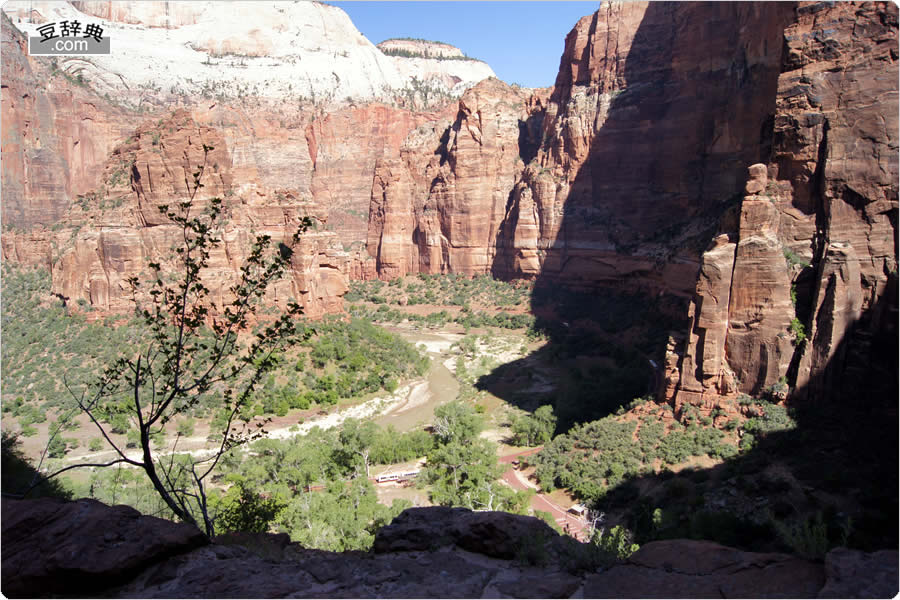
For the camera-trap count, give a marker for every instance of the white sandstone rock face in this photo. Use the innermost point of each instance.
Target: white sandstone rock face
(303, 51)
(423, 48)
(433, 69)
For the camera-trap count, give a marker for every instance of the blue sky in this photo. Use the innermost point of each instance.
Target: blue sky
(522, 41)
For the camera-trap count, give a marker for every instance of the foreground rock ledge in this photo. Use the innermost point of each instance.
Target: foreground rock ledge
(85, 548)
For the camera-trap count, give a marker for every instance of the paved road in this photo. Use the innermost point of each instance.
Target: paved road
(576, 527)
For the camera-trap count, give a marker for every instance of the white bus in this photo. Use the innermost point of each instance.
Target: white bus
(403, 476)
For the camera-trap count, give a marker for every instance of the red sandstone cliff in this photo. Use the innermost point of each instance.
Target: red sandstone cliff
(638, 177)
(345, 147)
(59, 135)
(439, 206)
(656, 113)
(56, 136)
(111, 234)
(816, 240)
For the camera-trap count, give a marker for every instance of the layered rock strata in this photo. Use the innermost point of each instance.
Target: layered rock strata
(304, 51)
(60, 134)
(56, 137)
(345, 147)
(439, 206)
(112, 234)
(798, 291)
(433, 63)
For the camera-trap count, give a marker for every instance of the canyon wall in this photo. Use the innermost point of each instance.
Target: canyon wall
(739, 157)
(620, 174)
(656, 113)
(798, 289)
(63, 139)
(55, 138)
(111, 234)
(439, 206)
(345, 146)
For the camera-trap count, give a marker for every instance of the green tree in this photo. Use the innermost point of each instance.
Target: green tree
(244, 509)
(467, 474)
(456, 422)
(166, 375)
(536, 429)
(57, 447)
(341, 517)
(615, 544)
(357, 440)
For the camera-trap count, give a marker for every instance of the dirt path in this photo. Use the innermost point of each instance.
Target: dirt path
(571, 524)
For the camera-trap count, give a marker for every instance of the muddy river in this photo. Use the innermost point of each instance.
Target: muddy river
(440, 385)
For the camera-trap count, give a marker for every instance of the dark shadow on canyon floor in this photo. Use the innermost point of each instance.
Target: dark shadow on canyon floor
(596, 359)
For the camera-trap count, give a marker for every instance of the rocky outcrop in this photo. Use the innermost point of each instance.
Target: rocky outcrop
(499, 535)
(70, 549)
(84, 548)
(839, 153)
(435, 66)
(855, 574)
(814, 252)
(112, 234)
(439, 208)
(421, 48)
(698, 569)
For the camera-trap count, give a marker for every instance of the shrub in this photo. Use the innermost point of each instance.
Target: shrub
(186, 427)
(616, 544)
(808, 537)
(676, 447)
(58, 447)
(798, 332)
(547, 518)
(245, 510)
(793, 258)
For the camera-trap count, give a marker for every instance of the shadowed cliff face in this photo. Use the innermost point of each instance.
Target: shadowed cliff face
(655, 116)
(658, 110)
(838, 463)
(747, 190)
(814, 248)
(735, 164)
